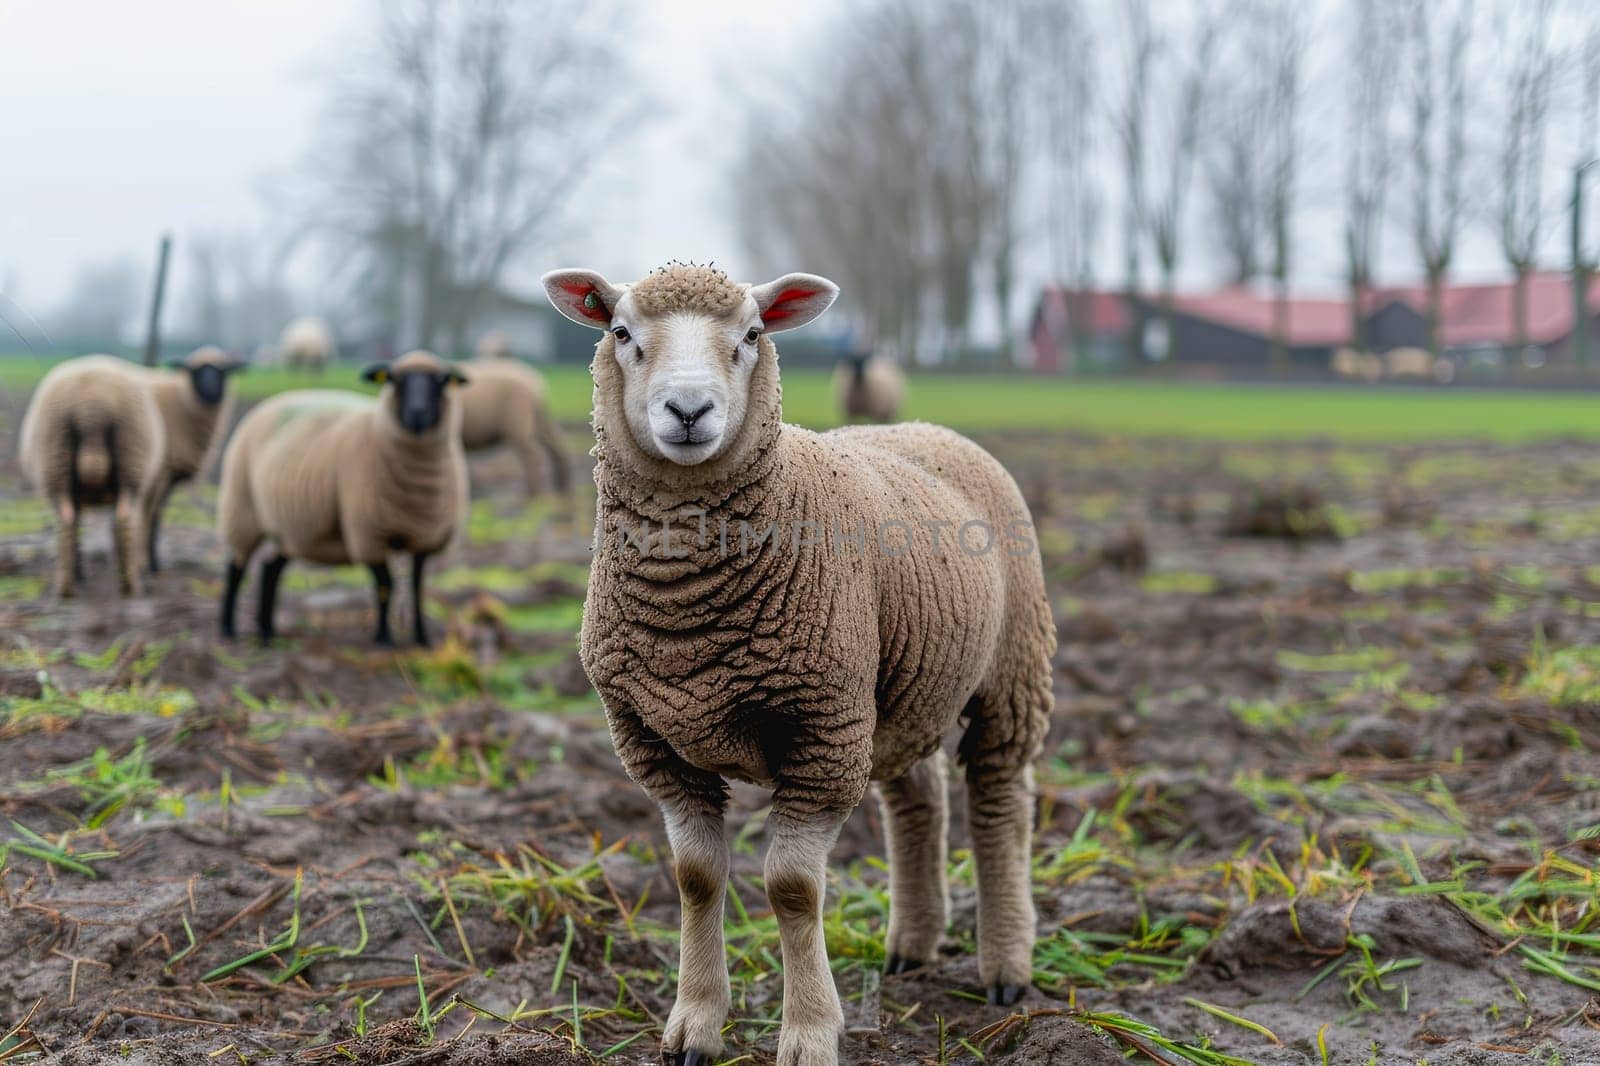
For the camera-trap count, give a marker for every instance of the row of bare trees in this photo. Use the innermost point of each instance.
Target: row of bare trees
(929, 146)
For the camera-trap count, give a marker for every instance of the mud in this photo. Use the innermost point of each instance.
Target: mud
(1278, 755)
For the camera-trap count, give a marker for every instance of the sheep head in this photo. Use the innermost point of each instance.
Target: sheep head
(416, 392)
(686, 342)
(208, 369)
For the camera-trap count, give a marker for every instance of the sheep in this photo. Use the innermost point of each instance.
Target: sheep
(776, 606)
(337, 478)
(505, 404)
(1414, 363)
(195, 400)
(92, 436)
(307, 344)
(494, 345)
(1349, 363)
(869, 387)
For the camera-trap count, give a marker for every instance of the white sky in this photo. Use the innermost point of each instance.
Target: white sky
(123, 119)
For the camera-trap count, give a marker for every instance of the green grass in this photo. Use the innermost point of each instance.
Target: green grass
(1137, 408)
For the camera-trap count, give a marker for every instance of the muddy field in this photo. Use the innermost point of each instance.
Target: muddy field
(1322, 788)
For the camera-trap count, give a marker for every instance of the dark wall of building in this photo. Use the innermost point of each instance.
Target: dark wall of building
(1197, 341)
(1396, 325)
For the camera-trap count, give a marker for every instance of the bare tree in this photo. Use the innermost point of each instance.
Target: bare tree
(1066, 101)
(1284, 34)
(1178, 142)
(1439, 34)
(1132, 123)
(453, 142)
(1371, 67)
(236, 294)
(1523, 209)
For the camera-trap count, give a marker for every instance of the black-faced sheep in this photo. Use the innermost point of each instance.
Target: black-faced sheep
(307, 344)
(92, 437)
(810, 612)
(505, 405)
(337, 478)
(869, 387)
(195, 399)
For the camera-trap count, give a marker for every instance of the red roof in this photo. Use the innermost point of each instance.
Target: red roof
(1107, 311)
(1311, 322)
(1485, 314)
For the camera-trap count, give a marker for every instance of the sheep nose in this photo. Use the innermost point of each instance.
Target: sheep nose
(691, 417)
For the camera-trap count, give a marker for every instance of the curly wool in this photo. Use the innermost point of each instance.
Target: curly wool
(813, 664)
(332, 478)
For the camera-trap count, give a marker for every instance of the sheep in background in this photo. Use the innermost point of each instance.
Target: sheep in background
(811, 662)
(1351, 364)
(92, 436)
(869, 387)
(338, 478)
(307, 344)
(493, 345)
(195, 399)
(505, 404)
(1412, 363)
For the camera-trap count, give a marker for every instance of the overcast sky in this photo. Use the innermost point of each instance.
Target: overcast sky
(122, 120)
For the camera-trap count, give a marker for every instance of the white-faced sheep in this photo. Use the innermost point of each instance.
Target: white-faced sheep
(195, 399)
(869, 387)
(505, 404)
(92, 437)
(493, 345)
(809, 612)
(337, 478)
(307, 344)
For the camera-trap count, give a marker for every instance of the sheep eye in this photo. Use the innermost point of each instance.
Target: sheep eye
(621, 334)
(752, 336)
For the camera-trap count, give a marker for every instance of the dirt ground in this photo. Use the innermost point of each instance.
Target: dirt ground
(1321, 788)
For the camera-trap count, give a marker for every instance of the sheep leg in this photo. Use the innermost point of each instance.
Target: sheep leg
(125, 525)
(693, 1036)
(156, 503)
(1000, 812)
(916, 820)
(230, 597)
(691, 801)
(419, 628)
(532, 459)
(267, 605)
(795, 873)
(384, 580)
(69, 566)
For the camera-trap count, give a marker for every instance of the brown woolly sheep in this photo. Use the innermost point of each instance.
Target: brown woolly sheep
(493, 345)
(777, 606)
(195, 399)
(337, 478)
(869, 387)
(307, 344)
(92, 437)
(505, 404)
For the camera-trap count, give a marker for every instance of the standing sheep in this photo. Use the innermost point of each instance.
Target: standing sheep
(195, 399)
(869, 387)
(494, 345)
(336, 478)
(92, 437)
(777, 606)
(505, 404)
(307, 344)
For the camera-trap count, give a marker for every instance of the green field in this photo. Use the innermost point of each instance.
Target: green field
(1135, 408)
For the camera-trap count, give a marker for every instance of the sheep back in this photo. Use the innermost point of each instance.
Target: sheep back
(104, 402)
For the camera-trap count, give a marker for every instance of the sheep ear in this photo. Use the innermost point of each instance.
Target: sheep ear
(455, 377)
(377, 373)
(792, 300)
(584, 296)
(175, 364)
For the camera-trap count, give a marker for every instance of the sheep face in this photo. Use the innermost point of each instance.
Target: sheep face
(208, 370)
(686, 342)
(416, 392)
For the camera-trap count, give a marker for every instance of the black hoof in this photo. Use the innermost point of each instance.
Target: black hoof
(898, 964)
(691, 1057)
(1006, 995)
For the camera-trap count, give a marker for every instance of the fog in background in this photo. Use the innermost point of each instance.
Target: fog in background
(941, 159)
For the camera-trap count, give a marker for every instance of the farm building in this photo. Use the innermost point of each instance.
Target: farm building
(1230, 331)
